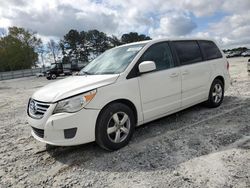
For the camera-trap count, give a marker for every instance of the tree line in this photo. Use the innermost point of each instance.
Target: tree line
(21, 48)
(241, 49)
(84, 46)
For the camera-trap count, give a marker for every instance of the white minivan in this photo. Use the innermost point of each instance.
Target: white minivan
(128, 86)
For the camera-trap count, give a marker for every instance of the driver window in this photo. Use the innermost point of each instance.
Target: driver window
(161, 54)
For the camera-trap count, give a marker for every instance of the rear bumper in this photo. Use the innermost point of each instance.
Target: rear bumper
(65, 129)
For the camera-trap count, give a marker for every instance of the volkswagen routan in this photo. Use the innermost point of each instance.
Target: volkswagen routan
(128, 86)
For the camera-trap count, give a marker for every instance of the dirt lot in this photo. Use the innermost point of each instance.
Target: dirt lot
(197, 147)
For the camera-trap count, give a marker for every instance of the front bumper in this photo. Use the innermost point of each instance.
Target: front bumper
(65, 129)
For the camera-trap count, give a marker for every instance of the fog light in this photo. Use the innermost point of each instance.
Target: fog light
(70, 133)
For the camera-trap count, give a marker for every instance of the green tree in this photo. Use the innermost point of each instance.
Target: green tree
(18, 50)
(71, 39)
(133, 37)
(84, 46)
(97, 42)
(74, 47)
(114, 41)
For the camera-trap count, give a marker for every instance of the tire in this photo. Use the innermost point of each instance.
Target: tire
(216, 94)
(112, 118)
(53, 76)
(48, 78)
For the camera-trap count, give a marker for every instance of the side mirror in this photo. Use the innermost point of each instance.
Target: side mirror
(147, 66)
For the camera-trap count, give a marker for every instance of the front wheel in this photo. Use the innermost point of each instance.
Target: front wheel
(216, 94)
(115, 126)
(53, 76)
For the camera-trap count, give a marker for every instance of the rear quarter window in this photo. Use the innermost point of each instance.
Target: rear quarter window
(188, 52)
(210, 50)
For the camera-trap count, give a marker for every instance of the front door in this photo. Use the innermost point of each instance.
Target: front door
(160, 89)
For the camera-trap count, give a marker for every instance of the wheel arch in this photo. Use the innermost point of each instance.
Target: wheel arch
(210, 103)
(123, 101)
(221, 78)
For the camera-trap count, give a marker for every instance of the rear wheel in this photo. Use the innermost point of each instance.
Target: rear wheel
(216, 94)
(115, 126)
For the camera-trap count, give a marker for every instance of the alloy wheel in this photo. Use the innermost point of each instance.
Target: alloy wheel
(118, 127)
(217, 93)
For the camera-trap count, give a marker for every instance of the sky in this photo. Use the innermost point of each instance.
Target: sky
(226, 21)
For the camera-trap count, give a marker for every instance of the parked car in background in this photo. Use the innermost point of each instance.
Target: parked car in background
(246, 53)
(60, 69)
(234, 54)
(128, 86)
(40, 74)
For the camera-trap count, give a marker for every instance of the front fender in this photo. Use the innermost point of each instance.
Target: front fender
(128, 90)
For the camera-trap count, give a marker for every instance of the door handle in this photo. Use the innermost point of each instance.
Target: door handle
(185, 72)
(174, 75)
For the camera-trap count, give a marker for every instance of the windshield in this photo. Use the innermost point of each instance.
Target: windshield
(53, 66)
(113, 61)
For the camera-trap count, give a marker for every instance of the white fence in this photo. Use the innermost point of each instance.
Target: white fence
(20, 73)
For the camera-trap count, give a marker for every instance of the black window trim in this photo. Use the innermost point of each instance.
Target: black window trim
(134, 72)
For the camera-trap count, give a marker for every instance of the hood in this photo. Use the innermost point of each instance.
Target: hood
(72, 86)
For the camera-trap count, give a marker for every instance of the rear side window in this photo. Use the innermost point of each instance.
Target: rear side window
(161, 54)
(211, 51)
(188, 52)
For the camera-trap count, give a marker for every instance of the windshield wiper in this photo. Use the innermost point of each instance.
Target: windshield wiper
(85, 73)
(109, 72)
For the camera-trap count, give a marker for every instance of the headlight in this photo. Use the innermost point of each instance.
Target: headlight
(75, 103)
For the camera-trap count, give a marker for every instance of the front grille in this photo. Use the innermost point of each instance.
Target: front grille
(38, 132)
(37, 109)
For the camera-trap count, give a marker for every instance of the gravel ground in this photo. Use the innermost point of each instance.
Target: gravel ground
(197, 147)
